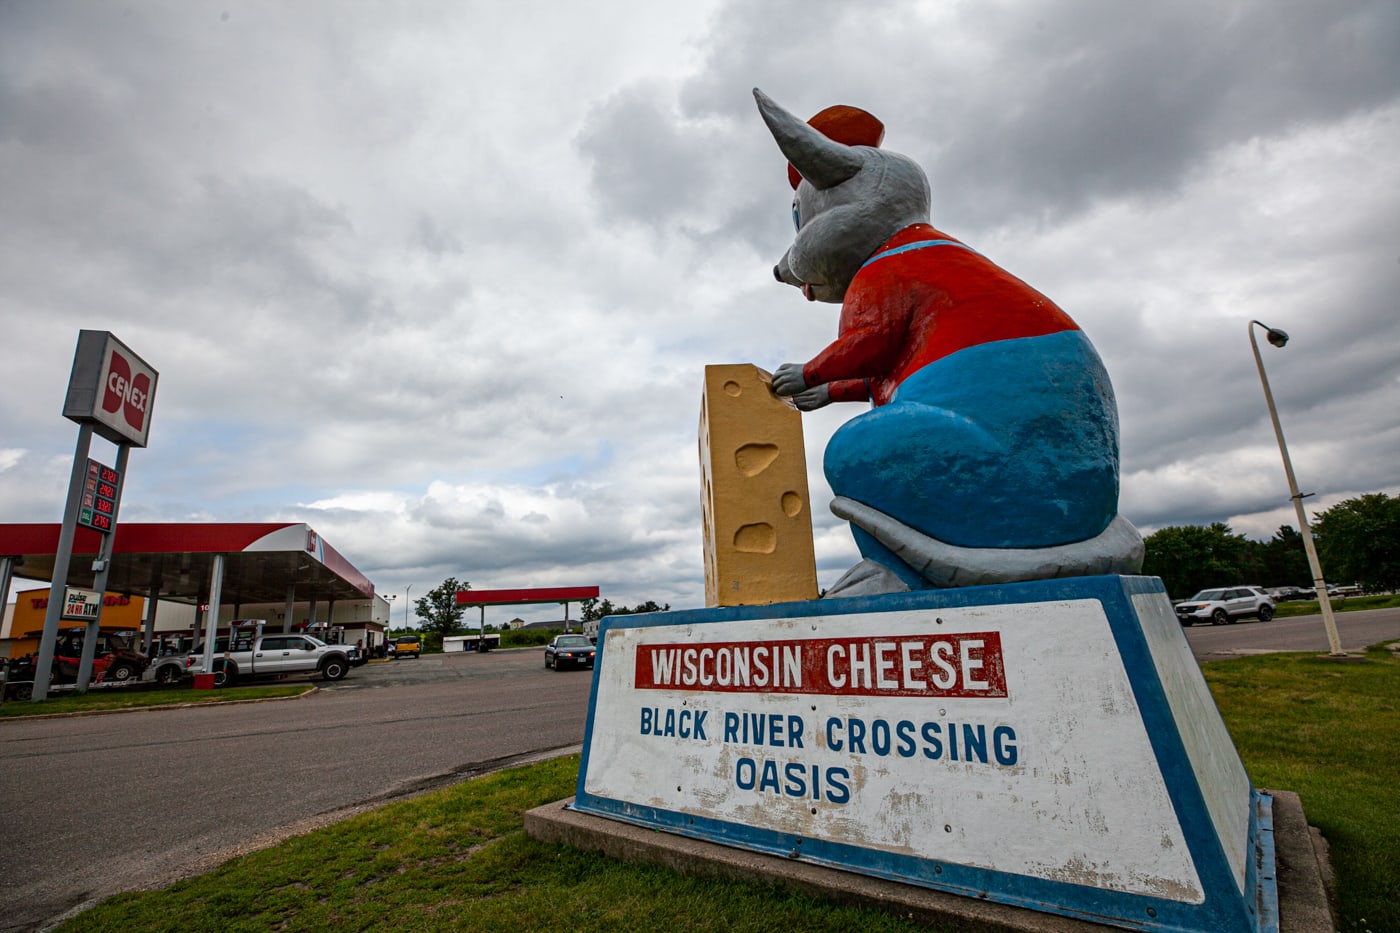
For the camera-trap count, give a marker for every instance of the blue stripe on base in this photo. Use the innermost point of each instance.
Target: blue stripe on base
(1262, 877)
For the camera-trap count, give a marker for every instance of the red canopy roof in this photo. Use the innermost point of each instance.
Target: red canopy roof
(261, 560)
(549, 594)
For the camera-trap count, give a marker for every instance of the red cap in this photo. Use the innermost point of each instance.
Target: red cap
(849, 126)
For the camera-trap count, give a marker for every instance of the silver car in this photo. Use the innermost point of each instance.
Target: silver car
(1224, 605)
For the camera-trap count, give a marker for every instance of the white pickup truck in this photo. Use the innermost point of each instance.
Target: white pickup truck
(274, 655)
(282, 654)
(171, 669)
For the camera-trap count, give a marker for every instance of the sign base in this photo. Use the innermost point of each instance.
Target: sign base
(1049, 745)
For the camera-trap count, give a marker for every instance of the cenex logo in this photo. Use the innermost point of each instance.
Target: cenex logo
(125, 392)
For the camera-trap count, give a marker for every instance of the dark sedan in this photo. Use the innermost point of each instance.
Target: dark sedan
(569, 651)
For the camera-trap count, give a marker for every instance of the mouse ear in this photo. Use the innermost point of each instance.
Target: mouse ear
(850, 126)
(821, 160)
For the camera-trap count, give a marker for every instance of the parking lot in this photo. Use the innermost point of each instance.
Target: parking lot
(94, 805)
(1357, 630)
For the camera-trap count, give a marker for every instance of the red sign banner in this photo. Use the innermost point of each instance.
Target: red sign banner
(962, 665)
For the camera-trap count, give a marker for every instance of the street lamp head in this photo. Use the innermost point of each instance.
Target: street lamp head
(1276, 337)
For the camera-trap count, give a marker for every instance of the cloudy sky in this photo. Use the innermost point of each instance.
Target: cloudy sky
(441, 279)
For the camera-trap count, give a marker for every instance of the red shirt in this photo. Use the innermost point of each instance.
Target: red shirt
(921, 297)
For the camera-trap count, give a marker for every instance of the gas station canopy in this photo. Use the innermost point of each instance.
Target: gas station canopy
(262, 561)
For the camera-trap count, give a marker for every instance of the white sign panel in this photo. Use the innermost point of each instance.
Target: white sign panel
(112, 388)
(976, 735)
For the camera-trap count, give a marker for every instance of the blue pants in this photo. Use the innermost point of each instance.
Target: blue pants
(1006, 444)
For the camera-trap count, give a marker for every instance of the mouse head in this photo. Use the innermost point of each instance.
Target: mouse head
(848, 195)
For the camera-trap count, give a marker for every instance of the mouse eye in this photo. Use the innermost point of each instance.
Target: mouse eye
(796, 221)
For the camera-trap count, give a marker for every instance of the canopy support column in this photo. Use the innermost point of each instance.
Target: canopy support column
(211, 620)
(288, 606)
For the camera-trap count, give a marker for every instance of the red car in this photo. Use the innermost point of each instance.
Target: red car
(115, 658)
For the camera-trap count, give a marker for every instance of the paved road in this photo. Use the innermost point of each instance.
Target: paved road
(94, 805)
(1357, 630)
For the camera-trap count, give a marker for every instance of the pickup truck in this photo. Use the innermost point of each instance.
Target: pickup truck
(277, 656)
(115, 657)
(115, 660)
(171, 669)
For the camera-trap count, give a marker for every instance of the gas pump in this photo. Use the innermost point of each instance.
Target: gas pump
(330, 634)
(244, 633)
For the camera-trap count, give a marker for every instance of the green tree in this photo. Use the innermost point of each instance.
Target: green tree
(595, 609)
(1285, 560)
(1358, 541)
(648, 606)
(439, 611)
(1190, 558)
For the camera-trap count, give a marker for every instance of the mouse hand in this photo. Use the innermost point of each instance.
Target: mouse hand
(788, 379)
(813, 398)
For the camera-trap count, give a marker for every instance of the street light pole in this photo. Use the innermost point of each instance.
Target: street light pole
(1334, 643)
(405, 605)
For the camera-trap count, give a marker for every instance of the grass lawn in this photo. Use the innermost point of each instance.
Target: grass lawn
(1311, 607)
(138, 698)
(1330, 732)
(458, 859)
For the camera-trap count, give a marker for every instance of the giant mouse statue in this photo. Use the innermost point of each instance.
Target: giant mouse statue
(991, 452)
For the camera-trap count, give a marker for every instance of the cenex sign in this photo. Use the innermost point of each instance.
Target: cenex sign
(111, 391)
(112, 388)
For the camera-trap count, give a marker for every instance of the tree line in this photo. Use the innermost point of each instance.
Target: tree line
(1358, 542)
(595, 609)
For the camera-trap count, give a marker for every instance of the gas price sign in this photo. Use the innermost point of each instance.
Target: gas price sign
(101, 492)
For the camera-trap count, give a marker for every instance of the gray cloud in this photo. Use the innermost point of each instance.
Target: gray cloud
(442, 280)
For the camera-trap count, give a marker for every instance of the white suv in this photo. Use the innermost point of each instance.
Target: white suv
(1226, 604)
